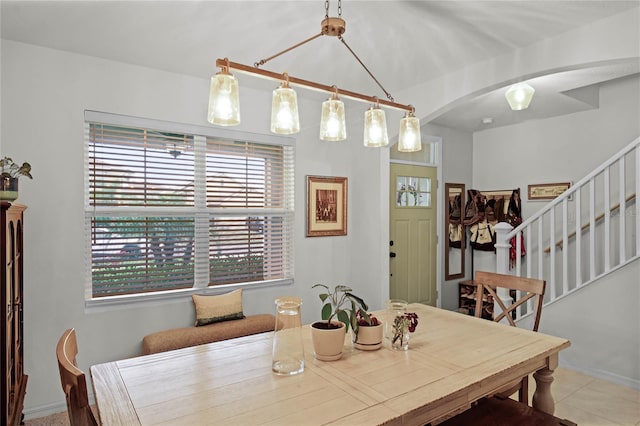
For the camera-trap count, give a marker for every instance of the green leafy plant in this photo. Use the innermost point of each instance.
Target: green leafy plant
(340, 303)
(13, 170)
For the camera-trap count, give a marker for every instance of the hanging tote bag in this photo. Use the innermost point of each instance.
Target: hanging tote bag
(483, 236)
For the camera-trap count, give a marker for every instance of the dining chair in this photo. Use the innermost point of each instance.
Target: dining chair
(525, 289)
(74, 383)
(499, 409)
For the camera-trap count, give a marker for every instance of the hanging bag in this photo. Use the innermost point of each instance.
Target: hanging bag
(483, 236)
(474, 209)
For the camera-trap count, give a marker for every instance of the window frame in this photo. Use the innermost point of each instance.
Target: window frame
(200, 286)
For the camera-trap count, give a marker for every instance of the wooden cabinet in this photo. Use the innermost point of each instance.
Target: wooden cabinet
(467, 299)
(14, 382)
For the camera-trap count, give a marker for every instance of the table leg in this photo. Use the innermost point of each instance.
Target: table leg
(542, 398)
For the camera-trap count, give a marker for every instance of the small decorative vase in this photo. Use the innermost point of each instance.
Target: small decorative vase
(400, 341)
(288, 348)
(8, 188)
(395, 307)
(369, 337)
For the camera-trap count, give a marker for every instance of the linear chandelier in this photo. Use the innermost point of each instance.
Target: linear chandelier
(224, 99)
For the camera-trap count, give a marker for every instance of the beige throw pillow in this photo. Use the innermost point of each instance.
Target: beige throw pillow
(223, 307)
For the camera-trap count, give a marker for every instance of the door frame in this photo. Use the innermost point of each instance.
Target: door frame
(439, 216)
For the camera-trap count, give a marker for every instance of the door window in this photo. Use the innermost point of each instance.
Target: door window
(413, 191)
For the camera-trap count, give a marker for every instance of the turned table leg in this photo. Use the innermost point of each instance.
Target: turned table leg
(542, 398)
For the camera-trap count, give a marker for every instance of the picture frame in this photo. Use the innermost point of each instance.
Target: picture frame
(547, 191)
(326, 206)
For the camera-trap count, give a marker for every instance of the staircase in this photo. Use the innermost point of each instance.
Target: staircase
(587, 232)
(587, 242)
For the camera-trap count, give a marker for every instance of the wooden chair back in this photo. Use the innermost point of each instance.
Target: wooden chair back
(74, 383)
(529, 287)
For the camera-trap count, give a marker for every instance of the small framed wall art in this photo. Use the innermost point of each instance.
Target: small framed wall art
(326, 206)
(547, 191)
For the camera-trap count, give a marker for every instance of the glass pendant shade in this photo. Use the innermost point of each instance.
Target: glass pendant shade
(519, 96)
(284, 111)
(375, 128)
(409, 139)
(332, 123)
(224, 100)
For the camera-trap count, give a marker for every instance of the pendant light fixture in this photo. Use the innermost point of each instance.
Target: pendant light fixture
(224, 99)
(519, 96)
(224, 104)
(409, 139)
(375, 127)
(284, 109)
(332, 122)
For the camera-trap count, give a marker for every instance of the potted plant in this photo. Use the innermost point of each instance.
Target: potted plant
(369, 336)
(339, 312)
(9, 174)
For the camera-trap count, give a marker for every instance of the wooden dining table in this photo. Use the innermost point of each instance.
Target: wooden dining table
(452, 361)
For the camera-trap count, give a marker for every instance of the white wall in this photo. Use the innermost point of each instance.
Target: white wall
(45, 93)
(602, 321)
(456, 147)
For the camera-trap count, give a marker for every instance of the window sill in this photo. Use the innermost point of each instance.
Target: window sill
(112, 303)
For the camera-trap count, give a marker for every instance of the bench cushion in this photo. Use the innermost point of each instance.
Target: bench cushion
(178, 338)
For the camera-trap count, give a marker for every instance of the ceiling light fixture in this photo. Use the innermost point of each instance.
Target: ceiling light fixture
(409, 139)
(284, 109)
(224, 99)
(224, 103)
(375, 127)
(519, 96)
(332, 122)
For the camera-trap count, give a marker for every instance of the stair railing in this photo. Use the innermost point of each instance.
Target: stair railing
(588, 231)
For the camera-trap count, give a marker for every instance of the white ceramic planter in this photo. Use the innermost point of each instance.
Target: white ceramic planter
(328, 343)
(369, 337)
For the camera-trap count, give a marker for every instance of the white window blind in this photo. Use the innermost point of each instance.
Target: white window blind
(172, 210)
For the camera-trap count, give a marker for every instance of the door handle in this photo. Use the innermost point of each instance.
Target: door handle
(392, 254)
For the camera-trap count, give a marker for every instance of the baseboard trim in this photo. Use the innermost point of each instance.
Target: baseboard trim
(44, 410)
(604, 375)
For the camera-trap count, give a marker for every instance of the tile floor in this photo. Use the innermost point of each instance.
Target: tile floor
(578, 397)
(593, 402)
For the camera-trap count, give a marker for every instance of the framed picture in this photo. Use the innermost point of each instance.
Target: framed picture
(547, 191)
(326, 206)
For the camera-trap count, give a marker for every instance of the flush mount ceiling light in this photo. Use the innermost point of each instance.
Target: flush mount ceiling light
(224, 98)
(519, 96)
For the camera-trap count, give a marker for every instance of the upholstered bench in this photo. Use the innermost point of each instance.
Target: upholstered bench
(218, 317)
(178, 338)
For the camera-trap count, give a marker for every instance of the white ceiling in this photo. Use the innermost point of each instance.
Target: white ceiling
(403, 43)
